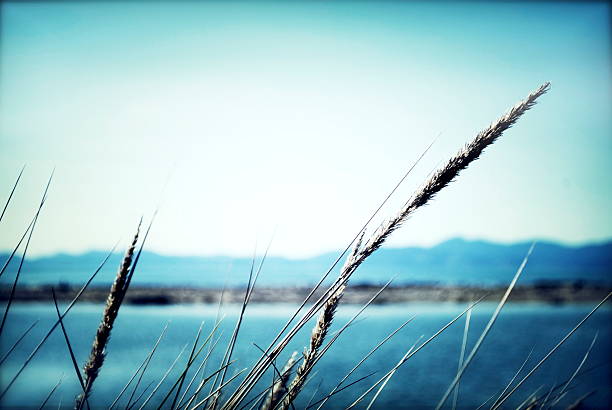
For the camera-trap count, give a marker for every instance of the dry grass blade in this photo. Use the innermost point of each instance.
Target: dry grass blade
(553, 350)
(203, 383)
(8, 201)
(23, 335)
(144, 363)
(25, 251)
(111, 310)
(69, 345)
(542, 406)
(16, 248)
(486, 401)
(571, 379)
(56, 324)
(382, 386)
(466, 329)
(218, 389)
(279, 387)
(42, 405)
(313, 394)
(277, 375)
(143, 392)
(560, 385)
(187, 366)
(485, 332)
(261, 395)
(199, 370)
(578, 403)
(374, 349)
(415, 351)
(513, 378)
(193, 356)
(530, 399)
(324, 399)
(161, 381)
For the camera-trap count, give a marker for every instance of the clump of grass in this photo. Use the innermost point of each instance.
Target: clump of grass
(282, 393)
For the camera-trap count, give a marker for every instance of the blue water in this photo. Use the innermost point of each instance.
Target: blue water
(420, 383)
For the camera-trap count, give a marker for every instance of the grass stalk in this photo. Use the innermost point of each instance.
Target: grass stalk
(69, 345)
(466, 329)
(42, 405)
(374, 349)
(384, 383)
(161, 381)
(513, 378)
(111, 310)
(18, 341)
(8, 201)
(436, 182)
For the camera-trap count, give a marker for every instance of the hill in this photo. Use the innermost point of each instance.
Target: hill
(454, 262)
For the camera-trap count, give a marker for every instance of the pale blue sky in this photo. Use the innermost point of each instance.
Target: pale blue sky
(300, 117)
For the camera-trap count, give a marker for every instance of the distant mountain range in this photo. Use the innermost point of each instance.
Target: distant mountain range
(456, 262)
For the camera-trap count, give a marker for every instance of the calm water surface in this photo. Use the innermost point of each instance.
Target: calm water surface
(420, 383)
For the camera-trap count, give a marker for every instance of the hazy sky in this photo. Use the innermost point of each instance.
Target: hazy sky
(298, 118)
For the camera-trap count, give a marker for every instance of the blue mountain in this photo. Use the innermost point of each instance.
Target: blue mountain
(456, 261)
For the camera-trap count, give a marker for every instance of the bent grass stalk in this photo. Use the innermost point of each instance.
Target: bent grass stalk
(111, 310)
(8, 201)
(439, 180)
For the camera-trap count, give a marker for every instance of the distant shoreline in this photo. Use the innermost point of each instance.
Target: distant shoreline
(549, 292)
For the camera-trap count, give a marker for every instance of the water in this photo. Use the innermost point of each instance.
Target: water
(420, 383)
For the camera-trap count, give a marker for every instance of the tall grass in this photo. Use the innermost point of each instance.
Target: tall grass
(250, 389)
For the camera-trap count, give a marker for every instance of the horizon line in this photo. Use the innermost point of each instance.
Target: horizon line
(549, 241)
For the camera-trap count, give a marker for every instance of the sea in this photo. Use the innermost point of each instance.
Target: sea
(523, 333)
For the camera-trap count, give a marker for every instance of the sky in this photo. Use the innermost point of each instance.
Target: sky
(251, 122)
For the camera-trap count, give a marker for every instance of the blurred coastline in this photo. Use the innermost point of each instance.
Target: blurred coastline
(545, 291)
